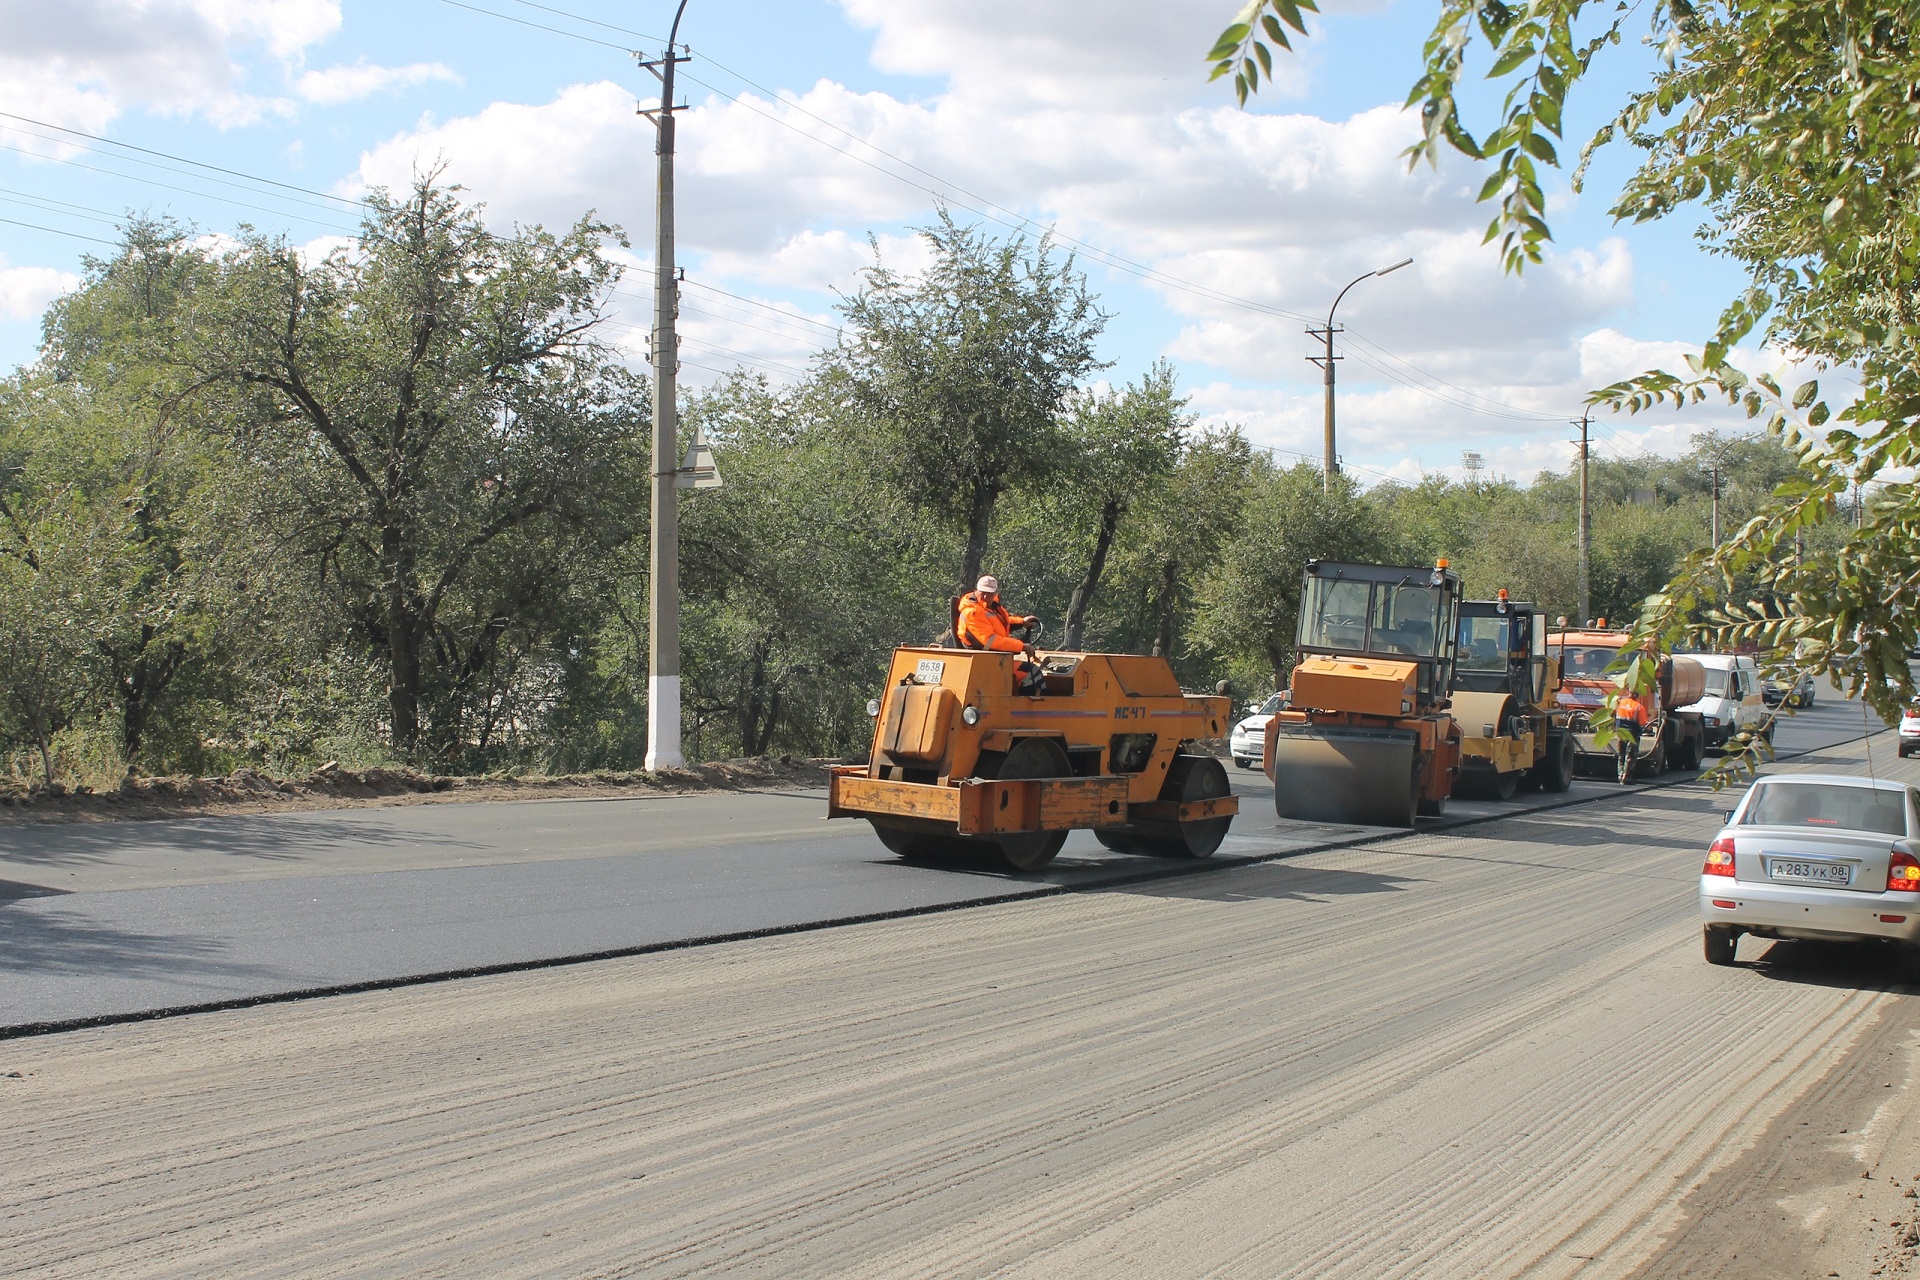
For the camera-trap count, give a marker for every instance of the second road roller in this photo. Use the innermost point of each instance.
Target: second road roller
(1367, 736)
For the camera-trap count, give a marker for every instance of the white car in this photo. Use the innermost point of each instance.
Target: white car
(1248, 745)
(1910, 731)
(1816, 855)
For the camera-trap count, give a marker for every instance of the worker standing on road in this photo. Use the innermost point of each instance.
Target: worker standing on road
(984, 623)
(1630, 716)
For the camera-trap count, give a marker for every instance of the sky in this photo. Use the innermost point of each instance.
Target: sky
(818, 131)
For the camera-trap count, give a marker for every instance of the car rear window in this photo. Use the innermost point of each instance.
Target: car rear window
(1824, 805)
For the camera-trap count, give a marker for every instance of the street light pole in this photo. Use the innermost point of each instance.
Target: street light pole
(663, 597)
(1326, 363)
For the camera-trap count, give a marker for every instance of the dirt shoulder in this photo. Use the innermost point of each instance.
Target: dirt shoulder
(1832, 1188)
(246, 791)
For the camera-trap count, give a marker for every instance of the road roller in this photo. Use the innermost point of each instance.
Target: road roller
(1367, 736)
(966, 766)
(1506, 701)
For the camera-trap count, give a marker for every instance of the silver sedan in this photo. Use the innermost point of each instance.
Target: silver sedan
(1815, 855)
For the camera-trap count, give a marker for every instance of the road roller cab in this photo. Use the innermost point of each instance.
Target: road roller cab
(1506, 702)
(1367, 736)
(963, 765)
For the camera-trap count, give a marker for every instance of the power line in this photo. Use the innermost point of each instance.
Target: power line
(540, 26)
(34, 226)
(593, 22)
(68, 211)
(1499, 407)
(765, 306)
(165, 155)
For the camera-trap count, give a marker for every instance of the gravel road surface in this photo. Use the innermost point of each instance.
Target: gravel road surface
(113, 919)
(1493, 1051)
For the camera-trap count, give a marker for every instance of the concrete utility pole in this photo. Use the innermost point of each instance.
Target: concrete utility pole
(1713, 471)
(1585, 535)
(663, 605)
(1326, 361)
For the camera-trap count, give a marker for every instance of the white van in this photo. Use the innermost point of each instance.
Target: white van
(1732, 703)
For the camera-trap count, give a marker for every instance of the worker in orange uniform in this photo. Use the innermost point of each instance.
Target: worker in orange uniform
(984, 623)
(1631, 717)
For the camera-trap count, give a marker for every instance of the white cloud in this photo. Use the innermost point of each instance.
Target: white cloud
(78, 63)
(1103, 129)
(26, 291)
(363, 79)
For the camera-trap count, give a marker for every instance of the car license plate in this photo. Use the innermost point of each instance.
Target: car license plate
(1808, 872)
(929, 670)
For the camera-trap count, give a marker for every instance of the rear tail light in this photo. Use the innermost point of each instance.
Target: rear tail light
(1719, 858)
(1903, 873)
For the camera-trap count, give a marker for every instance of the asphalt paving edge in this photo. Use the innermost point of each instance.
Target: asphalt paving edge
(25, 1030)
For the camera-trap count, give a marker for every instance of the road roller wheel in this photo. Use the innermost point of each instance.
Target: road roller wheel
(1189, 778)
(1555, 770)
(1032, 758)
(914, 844)
(1505, 784)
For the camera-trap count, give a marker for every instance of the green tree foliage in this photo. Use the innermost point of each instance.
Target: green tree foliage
(799, 575)
(1122, 445)
(964, 371)
(193, 574)
(92, 458)
(441, 436)
(1792, 125)
(1250, 605)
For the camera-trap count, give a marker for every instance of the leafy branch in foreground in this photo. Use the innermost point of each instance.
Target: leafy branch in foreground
(1796, 126)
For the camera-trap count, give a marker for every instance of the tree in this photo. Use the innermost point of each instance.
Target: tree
(965, 369)
(1793, 123)
(104, 388)
(1122, 444)
(438, 433)
(1178, 529)
(800, 576)
(1250, 604)
(51, 568)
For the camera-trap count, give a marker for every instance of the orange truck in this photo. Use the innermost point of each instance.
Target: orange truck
(1675, 737)
(964, 765)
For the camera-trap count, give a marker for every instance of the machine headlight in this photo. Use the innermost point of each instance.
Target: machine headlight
(970, 715)
(873, 707)
(1712, 722)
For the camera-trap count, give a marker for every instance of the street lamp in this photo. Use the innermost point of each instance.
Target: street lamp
(1326, 363)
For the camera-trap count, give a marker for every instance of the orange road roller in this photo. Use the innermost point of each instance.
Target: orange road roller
(965, 766)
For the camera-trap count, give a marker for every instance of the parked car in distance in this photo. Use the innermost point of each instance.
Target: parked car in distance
(1248, 743)
(1910, 730)
(1816, 856)
(1731, 705)
(1795, 692)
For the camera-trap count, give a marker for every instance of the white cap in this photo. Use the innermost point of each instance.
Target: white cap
(989, 585)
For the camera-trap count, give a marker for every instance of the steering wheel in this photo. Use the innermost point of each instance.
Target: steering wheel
(1030, 631)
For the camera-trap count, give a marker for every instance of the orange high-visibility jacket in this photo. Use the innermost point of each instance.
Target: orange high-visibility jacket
(986, 624)
(1631, 709)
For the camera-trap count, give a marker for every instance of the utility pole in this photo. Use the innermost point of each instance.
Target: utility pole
(1332, 463)
(1585, 535)
(663, 603)
(1713, 470)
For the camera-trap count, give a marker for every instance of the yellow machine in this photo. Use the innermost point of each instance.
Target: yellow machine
(1506, 702)
(1366, 736)
(962, 764)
